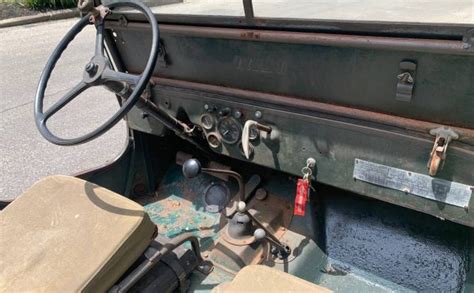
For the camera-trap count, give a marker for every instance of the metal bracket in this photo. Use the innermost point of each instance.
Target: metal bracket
(85, 6)
(468, 40)
(163, 60)
(444, 136)
(248, 10)
(406, 81)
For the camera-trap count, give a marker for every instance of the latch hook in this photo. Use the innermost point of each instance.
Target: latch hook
(444, 136)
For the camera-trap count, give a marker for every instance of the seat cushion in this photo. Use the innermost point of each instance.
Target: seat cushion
(65, 234)
(259, 278)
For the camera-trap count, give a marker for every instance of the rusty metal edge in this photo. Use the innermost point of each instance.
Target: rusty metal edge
(322, 39)
(466, 134)
(382, 28)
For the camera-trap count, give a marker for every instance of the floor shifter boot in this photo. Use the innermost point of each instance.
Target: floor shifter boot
(240, 226)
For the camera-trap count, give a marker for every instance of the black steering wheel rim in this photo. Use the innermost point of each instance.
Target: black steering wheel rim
(143, 79)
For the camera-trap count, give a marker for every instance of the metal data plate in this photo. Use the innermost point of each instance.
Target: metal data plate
(440, 190)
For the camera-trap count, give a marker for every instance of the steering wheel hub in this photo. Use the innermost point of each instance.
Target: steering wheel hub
(94, 70)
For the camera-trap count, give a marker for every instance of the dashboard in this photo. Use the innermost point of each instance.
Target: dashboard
(282, 135)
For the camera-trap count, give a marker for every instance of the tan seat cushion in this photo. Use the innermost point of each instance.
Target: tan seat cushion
(259, 278)
(65, 234)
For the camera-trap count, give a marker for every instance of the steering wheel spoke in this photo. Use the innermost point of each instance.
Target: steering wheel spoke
(99, 39)
(66, 99)
(111, 75)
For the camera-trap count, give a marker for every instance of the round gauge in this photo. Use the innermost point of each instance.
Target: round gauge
(253, 133)
(207, 121)
(213, 140)
(230, 130)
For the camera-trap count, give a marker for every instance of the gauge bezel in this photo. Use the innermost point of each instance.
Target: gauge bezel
(214, 146)
(213, 122)
(222, 136)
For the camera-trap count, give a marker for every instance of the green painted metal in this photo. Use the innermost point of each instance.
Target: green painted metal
(362, 78)
(180, 208)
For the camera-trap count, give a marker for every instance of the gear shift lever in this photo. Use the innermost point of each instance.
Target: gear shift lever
(280, 250)
(192, 168)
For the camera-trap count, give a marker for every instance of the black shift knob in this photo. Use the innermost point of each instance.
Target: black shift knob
(191, 168)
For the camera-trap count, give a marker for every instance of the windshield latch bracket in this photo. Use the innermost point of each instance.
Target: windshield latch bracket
(444, 135)
(468, 40)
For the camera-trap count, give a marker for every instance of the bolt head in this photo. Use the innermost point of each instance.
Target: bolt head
(91, 68)
(258, 114)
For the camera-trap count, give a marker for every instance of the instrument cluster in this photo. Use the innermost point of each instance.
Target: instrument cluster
(223, 127)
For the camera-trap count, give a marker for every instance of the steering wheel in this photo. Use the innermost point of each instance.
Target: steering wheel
(96, 72)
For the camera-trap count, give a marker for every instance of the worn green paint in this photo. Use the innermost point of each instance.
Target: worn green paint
(361, 78)
(180, 209)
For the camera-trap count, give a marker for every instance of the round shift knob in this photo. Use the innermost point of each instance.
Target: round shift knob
(191, 168)
(259, 234)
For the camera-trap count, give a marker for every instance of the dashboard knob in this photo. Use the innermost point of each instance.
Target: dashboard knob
(224, 112)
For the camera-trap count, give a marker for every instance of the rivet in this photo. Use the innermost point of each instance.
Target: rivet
(167, 104)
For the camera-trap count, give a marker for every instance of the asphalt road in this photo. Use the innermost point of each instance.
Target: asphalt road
(25, 156)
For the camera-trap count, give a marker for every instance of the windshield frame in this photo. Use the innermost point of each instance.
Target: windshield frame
(448, 31)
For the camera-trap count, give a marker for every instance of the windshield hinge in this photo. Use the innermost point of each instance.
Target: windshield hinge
(444, 136)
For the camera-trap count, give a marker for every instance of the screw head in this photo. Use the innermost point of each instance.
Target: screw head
(258, 114)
